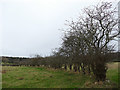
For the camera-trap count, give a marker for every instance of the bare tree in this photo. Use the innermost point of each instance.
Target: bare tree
(88, 39)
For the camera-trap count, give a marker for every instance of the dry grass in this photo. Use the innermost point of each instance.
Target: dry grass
(113, 65)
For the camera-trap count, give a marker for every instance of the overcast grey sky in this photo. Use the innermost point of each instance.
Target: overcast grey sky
(29, 27)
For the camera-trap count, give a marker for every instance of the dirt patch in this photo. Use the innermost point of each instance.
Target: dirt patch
(88, 83)
(3, 71)
(20, 78)
(50, 76)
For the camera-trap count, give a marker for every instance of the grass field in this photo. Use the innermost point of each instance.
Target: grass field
(40, 77)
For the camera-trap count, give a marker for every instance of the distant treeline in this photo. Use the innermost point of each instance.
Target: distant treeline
(51, 61)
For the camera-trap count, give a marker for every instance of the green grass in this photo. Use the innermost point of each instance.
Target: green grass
(40, 77)
(112, 73)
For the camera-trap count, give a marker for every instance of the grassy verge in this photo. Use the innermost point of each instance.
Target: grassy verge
(112, 73)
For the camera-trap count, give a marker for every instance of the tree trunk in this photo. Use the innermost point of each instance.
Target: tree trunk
(65, 67)
(100, 72)
(70, 66)
(83, 69)
(89, 70)
(79, 68)
(75, 68)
